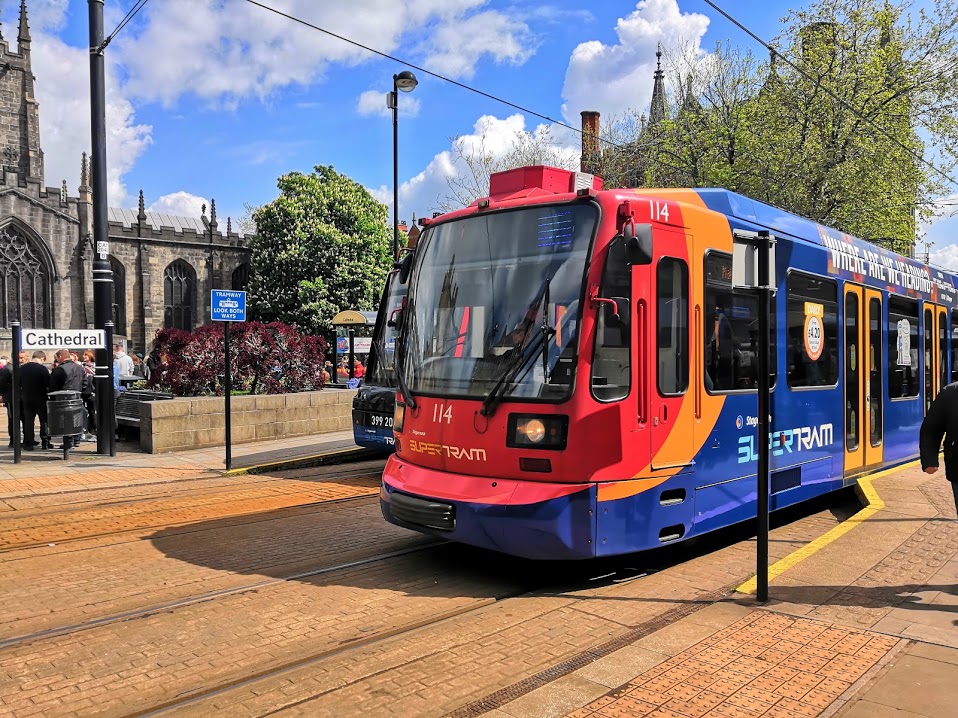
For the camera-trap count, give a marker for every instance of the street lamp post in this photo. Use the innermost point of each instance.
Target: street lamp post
(405, 81)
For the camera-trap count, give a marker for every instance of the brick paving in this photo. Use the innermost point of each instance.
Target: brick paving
(29, 528)
(762, 665)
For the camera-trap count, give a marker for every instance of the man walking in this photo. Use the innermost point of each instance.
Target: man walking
(34, 383)
(68, 376)
(941, 422)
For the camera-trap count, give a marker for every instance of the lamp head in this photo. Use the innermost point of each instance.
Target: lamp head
(405, 81)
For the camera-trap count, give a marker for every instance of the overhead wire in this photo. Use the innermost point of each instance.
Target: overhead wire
(131, 13)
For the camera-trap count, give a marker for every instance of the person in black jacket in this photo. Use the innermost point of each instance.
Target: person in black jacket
(6, 393)
(941, 422)
(68, 376)
(34, 382)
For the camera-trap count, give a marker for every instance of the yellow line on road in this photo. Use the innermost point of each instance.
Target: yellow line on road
(873, 504)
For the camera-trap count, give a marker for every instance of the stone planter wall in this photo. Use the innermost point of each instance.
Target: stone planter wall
(197, 423)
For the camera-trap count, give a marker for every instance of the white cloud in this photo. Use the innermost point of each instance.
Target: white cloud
(63, 92)
(491, 136)
(455, 49)
(181, 204)
(612, 79)
(373, 102)
(223, 52)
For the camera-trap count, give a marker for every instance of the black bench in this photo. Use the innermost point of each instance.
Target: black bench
(128, 404)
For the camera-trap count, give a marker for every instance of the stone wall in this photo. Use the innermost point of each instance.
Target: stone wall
(197, 423)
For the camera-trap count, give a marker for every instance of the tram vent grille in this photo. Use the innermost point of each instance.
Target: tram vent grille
(786, 479)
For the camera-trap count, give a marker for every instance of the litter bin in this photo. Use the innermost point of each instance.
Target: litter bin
(65, 416)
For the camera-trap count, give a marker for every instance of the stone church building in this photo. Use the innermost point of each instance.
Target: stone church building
(163, 266)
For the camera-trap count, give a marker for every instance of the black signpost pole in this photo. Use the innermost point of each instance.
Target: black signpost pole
(228, 388)
(15, 411)
(764, 405)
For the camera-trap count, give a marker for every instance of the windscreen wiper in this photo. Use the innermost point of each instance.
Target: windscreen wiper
(517, 365)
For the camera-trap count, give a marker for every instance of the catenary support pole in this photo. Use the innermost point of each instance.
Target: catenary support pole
(102, 273)
(764, 405)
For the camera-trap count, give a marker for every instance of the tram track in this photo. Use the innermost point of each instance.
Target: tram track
(170, 606)
(191, 697)
(150, 521)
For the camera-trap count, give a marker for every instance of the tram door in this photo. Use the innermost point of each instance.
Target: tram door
(935, 337)
(862, 378)
(670, 395)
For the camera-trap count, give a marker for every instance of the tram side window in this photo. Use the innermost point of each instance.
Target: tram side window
(731, 331)
(812, 309)
(672, 298)
(954, 346)
(611, 363)
(903, 359)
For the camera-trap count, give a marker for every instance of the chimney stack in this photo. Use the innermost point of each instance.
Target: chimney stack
(590, 141)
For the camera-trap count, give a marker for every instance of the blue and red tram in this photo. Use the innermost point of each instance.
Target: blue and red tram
(375, 400)
(578, 374)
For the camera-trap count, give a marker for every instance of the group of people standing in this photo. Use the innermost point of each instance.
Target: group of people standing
(69, 371)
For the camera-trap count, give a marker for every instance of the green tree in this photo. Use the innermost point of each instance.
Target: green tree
(828, 128)
(322, 246)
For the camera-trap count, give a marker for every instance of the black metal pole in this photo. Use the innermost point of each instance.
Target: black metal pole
(395, 105)
(352, 353)
(228, 388)
(764, 404)
(102, 273)
(15, 410)
(111, 397)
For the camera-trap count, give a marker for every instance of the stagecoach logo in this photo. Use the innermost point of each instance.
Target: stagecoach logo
(788, 441)
(746, 421)
(451, 452)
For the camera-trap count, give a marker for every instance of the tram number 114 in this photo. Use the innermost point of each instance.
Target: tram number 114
(658, 211)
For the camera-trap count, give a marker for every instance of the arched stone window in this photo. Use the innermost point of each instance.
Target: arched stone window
(24, 280)
(240, 279)
(179, 292)
(119, 296)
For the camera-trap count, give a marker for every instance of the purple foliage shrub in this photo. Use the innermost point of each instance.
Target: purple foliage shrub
(269, 358)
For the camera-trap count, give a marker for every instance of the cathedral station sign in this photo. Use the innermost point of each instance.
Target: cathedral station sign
(63, 339)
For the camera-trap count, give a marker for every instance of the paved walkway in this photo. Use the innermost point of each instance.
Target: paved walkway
(46, 470)
(860, 624)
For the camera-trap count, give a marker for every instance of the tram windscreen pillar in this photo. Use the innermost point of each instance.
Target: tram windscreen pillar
(764, 406)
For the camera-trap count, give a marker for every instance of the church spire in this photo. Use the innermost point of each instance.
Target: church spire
(657, 110)
(24, 35)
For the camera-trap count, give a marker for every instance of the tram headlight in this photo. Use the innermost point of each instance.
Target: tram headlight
(531, 431)
(399, 416)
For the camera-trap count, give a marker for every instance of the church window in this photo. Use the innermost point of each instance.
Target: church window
(179, 290)
(119, 297)
(240, 278)
(24, 281)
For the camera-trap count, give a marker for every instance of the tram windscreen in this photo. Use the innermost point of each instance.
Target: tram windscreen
(381, 369)
(496, 298)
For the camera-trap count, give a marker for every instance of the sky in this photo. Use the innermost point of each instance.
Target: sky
(218, 98)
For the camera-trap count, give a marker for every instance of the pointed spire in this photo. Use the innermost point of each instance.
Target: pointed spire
(657, 110)
(141, 209)
(24, 34)
(229, 226)
(213, 215)
(84, 172)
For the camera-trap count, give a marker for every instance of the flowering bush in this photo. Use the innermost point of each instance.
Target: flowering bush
(264, 359)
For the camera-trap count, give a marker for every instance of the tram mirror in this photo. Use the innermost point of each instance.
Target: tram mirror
(637, 242)
(404, 266)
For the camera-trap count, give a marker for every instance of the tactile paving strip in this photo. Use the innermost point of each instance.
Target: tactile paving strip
(762, 665)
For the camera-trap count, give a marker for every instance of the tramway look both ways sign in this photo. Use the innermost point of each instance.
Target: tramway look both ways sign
(63, 339)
